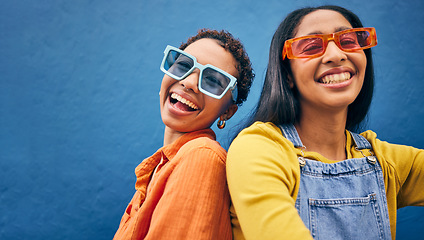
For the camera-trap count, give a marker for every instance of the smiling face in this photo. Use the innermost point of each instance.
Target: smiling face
(333, 80)
(183, 107)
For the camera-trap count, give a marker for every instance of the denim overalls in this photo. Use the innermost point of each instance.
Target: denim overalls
(342, 200)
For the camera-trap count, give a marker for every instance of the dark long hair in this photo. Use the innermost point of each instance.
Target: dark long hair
(278, 103)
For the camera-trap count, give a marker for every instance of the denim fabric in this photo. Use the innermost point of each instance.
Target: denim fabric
(343, 200)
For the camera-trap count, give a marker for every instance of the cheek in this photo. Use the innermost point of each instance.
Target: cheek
(364, 63)
(218, 106)
(301, 75)
(167, 82)
(361, 64)
(302, 70)
(226, 101)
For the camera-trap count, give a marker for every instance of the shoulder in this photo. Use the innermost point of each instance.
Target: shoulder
(202, 146)
(264, 128)
(260, 131)
(261, 145)
(203, 142)
(261, 156)
(384, 146)
(369, 135)
(394, 155)
(260, 134)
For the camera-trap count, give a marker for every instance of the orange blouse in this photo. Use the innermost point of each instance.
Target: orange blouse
(187, 198)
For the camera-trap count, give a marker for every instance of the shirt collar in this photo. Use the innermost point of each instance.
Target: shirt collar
(144, 170)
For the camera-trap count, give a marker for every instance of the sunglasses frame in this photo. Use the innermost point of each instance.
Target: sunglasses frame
(287, 49)
(231, 85)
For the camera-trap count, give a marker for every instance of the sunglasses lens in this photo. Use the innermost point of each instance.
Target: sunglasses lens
(313, 46)
(178, 64)
(214, 82)
(355, 40)
(307, 47)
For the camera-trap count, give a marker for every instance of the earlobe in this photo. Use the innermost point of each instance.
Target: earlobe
(226, 115)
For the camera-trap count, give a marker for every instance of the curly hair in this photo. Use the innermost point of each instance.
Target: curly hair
(236, 48)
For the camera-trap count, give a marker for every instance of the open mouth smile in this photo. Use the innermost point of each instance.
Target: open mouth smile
(335, 78)
(182, 103)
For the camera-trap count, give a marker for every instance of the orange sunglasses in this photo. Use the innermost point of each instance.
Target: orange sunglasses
(313, 46)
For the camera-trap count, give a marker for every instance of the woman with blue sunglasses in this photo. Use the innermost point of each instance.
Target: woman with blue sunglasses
(181, 190)
(299, 171)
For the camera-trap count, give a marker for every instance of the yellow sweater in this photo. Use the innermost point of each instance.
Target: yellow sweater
(263, 177)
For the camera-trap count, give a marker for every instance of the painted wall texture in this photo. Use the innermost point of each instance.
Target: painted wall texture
(79, 83)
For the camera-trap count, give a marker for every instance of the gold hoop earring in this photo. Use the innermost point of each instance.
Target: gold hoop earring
(220, 124)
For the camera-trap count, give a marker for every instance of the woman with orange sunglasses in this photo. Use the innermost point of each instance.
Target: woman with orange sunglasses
(299, 170)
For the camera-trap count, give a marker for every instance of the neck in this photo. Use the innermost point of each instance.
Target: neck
(170, 136)
(324, 133)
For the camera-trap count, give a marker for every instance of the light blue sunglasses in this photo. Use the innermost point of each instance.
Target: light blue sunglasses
(213, 81)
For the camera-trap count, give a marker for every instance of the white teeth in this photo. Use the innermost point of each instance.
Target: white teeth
(336, 78)
(183, 100)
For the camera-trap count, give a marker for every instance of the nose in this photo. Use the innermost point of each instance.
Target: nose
(191, 82)
(333, 53)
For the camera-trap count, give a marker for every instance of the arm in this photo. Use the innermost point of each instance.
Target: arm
(403, 168)
(263, 171)
(410, 166)
(195, 202)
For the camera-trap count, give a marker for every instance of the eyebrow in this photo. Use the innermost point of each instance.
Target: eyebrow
(336, 30)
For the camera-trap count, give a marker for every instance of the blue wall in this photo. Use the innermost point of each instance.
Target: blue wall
(79, 83)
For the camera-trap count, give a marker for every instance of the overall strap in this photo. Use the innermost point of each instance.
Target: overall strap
(290, 132)
(360, 141)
